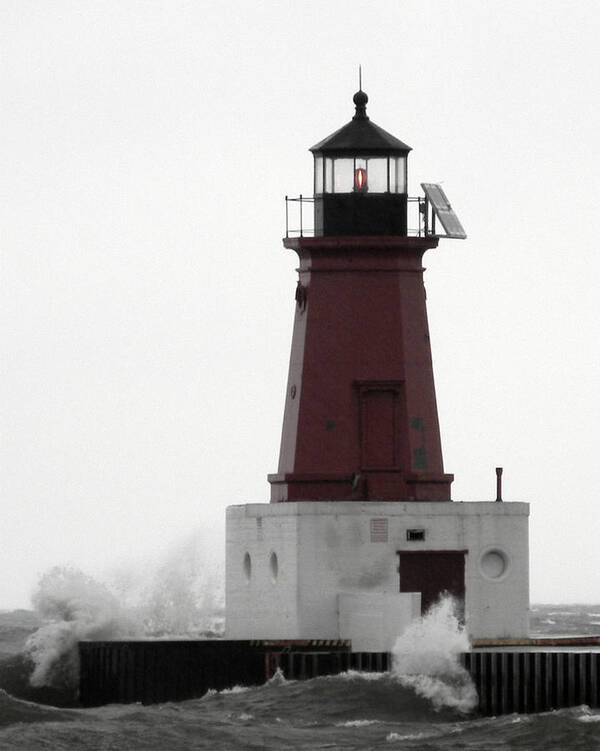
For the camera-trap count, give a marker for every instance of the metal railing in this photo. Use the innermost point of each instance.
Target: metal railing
(302, 231)
(419, 223)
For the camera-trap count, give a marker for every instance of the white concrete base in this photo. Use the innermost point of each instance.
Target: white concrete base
(326, 570)
(373, 622)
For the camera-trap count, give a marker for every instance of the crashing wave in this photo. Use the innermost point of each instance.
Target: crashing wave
(426, 658)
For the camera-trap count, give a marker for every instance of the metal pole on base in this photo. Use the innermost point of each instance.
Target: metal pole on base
(498, 484)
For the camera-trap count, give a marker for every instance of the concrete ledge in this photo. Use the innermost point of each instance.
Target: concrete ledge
(388, 508)
(538, 641)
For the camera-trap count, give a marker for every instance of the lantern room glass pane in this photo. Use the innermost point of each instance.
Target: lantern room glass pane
(401, 175)
(318, 174)
(343, 175)
(328, 175)
(377, 175)
(392, 165)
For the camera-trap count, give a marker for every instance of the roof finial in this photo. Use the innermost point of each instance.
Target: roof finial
(360, 99)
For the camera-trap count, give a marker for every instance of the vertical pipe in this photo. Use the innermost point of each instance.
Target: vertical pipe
(286, 217)
(494, 683)
(559, 681)
(504, 708)
(547, 705)
(314, 665)
(301, 227)
(483, 686)
(537, 683)
(582, 659)
(594, 680)
(130, 655)
(525, 682)
(516, 686)
(498, 484)
(570, 693)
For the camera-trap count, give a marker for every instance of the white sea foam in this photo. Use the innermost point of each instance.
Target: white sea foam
(357, 723)
(392, 737)
(180, 596)
(235, 690)
(426, 658)
(352, 675)
(278, 678)
(588, 715)
(75, 608)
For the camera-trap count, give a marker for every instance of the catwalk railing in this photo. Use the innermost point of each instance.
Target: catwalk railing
(299, 217)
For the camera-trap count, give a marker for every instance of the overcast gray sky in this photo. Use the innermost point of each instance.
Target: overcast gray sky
(147, 302)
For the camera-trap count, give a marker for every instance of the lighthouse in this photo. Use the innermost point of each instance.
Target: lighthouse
(361, 535)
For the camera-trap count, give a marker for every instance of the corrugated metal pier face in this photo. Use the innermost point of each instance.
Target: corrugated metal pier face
(303, 665)
(157, 671)
(151, 672)
(525, 682)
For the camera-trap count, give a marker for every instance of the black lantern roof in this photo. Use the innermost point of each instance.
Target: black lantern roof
(361, 136)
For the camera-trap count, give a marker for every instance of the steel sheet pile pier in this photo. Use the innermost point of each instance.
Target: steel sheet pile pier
(539, 681)
(150, 671)
(158, 671)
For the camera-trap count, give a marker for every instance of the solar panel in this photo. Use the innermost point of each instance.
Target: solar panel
(444, 212)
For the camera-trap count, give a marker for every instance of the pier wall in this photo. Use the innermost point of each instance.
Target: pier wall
(537, 681)
(158, 671)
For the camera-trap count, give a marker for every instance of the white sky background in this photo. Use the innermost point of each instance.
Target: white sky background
(147, 302)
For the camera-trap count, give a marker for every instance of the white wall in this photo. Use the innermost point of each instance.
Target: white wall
(373, 622)
(261, 606)
(324, 550)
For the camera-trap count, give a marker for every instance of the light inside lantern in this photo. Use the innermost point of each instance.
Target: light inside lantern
(360, 178)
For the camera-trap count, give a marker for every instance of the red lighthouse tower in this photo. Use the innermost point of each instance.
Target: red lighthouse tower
(360, 419)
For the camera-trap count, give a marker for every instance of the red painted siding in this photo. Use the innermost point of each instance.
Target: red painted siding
(360, 420)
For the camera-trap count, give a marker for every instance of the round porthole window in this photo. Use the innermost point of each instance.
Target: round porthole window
(494, 564)
(247, 566)
(274, 566)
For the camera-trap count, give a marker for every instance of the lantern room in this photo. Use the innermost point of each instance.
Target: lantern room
(360, 179)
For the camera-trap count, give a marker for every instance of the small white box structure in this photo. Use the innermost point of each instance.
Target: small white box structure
(334, 570)
(374, 621)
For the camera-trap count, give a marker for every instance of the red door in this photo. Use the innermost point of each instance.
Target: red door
(432, 573)
(380, 429)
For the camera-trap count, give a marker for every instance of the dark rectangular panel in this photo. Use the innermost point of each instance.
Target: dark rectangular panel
(443, 210)
(380, 429)
(431, 573)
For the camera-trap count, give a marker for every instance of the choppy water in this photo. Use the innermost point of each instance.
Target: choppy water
(351, 711)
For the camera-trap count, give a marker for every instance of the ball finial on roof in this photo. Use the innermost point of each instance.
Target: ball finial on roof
(360, 99)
